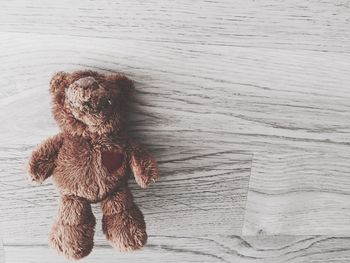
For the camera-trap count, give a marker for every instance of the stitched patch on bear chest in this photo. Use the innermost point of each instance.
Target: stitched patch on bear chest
(112, 160)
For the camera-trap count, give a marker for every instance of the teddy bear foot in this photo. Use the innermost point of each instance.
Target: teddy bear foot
(125, 230)
(75, 242)
(73, 232)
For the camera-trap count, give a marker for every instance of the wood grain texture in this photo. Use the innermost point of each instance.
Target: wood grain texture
(298, 192)
(287, 25)
(218, 83)
(2, 252)
(198, 195)
(272, 249)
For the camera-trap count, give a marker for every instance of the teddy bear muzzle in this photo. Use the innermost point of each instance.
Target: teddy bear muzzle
(88, 96)
(96, 106)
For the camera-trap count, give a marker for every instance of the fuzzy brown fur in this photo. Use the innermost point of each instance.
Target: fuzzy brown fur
(89, 161)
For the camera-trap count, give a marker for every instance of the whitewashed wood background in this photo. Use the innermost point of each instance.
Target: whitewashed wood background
(246, 105)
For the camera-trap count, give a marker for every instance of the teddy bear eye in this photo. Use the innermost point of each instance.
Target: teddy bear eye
(104, 103)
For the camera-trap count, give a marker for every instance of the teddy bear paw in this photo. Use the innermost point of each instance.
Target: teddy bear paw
(36, 179)
(147, 174)
(73, 241)
(125, 231)
(145, 180)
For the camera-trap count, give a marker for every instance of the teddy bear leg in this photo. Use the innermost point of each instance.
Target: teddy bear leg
(73, 231)
(122, 222)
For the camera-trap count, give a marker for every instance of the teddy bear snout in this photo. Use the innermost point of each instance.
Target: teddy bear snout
(103, 103)
(87, 94)
(87, 83)
(98, 105)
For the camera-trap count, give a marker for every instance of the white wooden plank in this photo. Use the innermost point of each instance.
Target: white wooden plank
(268, 249)
(2, 252)
(298, 24)
(281, 99)
(299, 192)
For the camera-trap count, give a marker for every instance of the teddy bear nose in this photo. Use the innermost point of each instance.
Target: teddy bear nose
(87, 83)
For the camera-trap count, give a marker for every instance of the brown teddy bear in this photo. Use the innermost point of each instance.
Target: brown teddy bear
(90, 160)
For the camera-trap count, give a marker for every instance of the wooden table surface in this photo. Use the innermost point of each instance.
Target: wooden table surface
(245, 104)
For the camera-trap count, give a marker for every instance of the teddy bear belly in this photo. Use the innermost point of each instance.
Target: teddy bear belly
(93, 186)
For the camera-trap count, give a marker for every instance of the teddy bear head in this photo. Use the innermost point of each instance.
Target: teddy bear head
(87, 103)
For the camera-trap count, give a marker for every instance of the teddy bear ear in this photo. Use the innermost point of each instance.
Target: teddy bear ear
(58, 82)
(127, 86)
(124, 84)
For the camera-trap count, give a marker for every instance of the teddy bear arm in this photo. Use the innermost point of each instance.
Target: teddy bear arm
(143, 165)
(43, 159)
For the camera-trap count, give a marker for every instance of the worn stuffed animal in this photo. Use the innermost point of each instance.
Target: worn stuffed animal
(90, 160)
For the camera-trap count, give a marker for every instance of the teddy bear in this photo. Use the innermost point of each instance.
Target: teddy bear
(90, 160)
